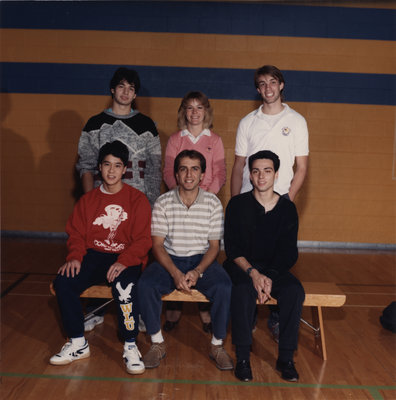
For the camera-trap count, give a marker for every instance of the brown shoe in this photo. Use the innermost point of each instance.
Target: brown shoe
(220, 357)
(154, 356)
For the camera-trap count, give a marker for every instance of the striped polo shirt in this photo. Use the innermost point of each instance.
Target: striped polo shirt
(187, 230)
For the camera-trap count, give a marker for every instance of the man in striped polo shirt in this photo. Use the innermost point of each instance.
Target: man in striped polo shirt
(186, 229)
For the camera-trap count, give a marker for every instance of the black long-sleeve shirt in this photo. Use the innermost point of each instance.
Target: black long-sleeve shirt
(267, 240)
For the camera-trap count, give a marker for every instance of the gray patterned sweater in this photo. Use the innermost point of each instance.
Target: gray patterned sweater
(139, 134)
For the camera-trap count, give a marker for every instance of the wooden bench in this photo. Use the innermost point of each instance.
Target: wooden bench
(317, 295)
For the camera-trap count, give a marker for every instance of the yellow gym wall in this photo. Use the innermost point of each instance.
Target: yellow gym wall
(350, 191)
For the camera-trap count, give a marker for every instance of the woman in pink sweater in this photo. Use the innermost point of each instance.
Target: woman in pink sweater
(194, 120)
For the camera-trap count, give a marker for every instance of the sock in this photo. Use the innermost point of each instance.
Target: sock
(79, 341)
(216, 342)
(157, 337)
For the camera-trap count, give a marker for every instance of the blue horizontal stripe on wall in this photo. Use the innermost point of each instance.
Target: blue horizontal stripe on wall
(217, 83)
(202, 17)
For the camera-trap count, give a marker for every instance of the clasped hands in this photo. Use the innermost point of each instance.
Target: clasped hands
(262, 284)
(186, 281)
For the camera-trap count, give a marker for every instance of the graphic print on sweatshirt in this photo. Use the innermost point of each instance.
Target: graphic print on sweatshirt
(111, 220)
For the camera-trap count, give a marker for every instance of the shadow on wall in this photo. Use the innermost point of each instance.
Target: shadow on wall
(302, 197)
(59, 183)
(18, 174)
(63, 133)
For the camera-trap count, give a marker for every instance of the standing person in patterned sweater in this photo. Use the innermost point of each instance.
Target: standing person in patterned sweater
(138, 133)
(109, 239)
(194, 121)
(135, 130)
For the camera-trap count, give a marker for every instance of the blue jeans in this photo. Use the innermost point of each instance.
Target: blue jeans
(93, 271)
(156, 282)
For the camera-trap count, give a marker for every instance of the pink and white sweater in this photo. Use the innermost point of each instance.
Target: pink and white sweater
(211, 147)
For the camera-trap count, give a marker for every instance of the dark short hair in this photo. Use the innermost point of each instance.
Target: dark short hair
(125, 74)
(194, 155)
(116, 149)
(201, 98)
(272, 71)
(264, 154)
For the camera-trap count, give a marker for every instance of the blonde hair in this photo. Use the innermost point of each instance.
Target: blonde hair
(201, 98)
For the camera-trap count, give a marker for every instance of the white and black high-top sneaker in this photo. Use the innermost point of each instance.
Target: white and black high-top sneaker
(133, 359)
(70, 352)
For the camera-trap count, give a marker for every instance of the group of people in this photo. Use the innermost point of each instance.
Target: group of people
(122, 216)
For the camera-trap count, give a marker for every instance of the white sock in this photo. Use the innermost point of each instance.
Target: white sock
(216, 342)
(79, 341)
(157, 337)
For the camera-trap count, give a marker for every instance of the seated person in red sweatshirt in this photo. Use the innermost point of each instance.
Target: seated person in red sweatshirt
(109, 239)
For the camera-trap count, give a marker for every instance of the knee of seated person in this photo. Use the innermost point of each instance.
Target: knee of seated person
(296, 291)
(144, 284)
(61, 283)
(241, 289)
(224, 285)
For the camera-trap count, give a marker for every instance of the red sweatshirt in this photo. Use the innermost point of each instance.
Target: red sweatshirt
(111, 223)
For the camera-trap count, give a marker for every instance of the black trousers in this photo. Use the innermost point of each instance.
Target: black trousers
(93, 271)
(290, 296)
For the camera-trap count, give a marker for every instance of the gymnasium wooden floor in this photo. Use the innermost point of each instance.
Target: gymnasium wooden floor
(361, 354)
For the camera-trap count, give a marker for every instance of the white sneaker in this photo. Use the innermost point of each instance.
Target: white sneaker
(133, 359)
(90, 324)
(69, 353)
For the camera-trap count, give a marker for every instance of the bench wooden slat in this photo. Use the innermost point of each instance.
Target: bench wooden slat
(323, 294)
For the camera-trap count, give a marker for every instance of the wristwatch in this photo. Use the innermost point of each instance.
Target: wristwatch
(199, 272)
(249, 270)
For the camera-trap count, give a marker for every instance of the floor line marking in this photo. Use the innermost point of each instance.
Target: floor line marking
(13, 285)
(372, 389)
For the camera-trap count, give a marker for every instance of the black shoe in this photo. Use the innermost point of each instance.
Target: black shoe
(243, 371)
(287, 370)
(169, 325)
(207, 327)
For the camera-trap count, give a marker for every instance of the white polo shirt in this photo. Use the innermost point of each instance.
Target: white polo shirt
(286, 134)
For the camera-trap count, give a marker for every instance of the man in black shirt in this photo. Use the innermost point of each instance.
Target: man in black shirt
(261, 246)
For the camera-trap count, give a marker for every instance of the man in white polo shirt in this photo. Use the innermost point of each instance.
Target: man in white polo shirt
(273, 126)
(186, 229)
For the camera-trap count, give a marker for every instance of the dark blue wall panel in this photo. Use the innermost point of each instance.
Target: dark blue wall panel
(203, 17)
(217, 83)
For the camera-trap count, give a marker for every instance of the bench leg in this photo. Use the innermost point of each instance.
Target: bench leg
(320, 341)
(90, 314)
